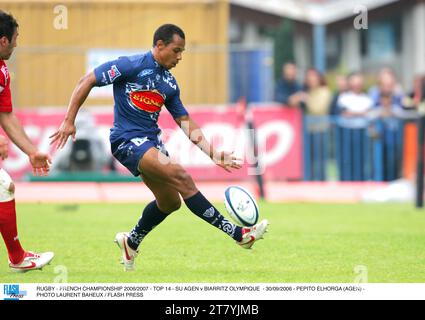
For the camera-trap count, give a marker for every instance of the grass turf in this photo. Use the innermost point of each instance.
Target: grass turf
(316, 243)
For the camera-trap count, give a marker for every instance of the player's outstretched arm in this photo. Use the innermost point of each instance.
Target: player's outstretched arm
(67, 128)
(11, 125)
(40, 163)
(225, 160)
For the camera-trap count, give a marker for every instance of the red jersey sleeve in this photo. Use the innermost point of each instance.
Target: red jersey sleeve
(5, 100)
(5, 95)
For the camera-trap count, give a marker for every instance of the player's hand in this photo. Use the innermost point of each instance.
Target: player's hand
(4, 153)
(227, 161)
(61, 136)
(40, 163)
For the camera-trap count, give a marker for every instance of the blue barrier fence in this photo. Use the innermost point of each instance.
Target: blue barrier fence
(359, 149)
(251, 74)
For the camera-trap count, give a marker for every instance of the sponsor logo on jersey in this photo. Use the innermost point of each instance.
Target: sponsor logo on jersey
(149, 101)
(168, 79)
(113, 73)
(145, 72)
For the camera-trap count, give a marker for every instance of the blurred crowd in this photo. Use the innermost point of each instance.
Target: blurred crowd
(350, 98)
(362, 113)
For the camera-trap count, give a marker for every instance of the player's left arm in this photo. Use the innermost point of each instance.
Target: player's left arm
(225, 160)
(11, 125)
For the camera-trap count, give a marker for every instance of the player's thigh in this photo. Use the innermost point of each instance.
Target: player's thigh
(159, 168)
(167, 197)
(157, 165)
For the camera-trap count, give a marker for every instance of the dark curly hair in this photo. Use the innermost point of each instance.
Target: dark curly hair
(166, 33)
(8, 25)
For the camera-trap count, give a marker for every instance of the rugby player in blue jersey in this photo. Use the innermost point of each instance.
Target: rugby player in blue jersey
(142, 84)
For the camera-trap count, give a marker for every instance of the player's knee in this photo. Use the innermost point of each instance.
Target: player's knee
(176, 205)
(7, 187)
(183, 183)
(182, 178)
(171, 206)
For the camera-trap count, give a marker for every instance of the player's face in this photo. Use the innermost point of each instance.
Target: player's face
(7, 47)
(171, 54)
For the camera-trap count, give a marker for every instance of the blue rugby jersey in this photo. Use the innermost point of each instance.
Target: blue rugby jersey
(141, 87)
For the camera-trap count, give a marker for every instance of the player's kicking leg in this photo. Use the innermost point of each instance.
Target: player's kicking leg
(167, 201)
(19, 259)
(158, 167)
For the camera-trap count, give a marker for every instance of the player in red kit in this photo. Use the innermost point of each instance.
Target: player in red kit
(19, 259)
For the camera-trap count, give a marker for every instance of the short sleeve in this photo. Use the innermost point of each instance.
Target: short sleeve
(2, 81)
(175, 106)
(5, 95)
(113, 71)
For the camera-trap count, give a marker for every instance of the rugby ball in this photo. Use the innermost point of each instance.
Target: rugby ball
(241, 206)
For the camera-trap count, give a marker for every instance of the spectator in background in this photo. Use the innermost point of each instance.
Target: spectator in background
(287, 86)
(355, 102)
(386, 107)
(341, 82)
(387, 86)
(316, 100)
(388, 110)
(353, 106)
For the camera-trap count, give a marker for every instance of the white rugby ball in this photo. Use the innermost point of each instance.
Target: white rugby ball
(241, 206)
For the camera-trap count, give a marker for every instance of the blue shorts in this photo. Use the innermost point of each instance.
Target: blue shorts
(129, 152)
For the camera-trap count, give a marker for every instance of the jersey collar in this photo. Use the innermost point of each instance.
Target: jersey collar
(150, 54)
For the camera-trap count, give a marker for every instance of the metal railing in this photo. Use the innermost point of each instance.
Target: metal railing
(353, 149)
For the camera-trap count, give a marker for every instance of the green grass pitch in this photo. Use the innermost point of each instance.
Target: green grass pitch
(305, 243)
